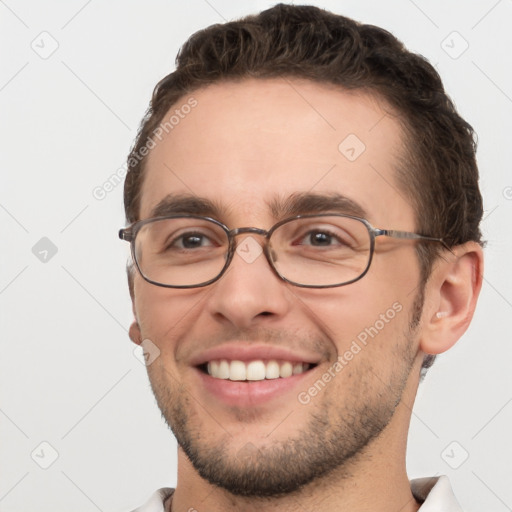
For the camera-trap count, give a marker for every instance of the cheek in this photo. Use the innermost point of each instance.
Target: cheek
(165, 314)
(365, 317)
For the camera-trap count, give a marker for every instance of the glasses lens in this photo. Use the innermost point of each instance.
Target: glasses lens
(181, 251)
(321, 251)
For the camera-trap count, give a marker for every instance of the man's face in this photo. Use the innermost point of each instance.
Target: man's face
(246, 147)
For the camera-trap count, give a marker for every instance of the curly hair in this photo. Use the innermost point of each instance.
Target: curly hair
(438, 170)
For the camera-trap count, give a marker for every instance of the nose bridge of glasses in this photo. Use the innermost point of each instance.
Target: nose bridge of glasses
(267, 251)
(255, 231)
(243, 231)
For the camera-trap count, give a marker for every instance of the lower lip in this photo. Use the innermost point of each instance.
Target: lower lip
(251, 393)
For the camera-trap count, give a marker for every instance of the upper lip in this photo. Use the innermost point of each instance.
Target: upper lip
(239, 351)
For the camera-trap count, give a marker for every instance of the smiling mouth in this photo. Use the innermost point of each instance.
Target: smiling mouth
(256, 370)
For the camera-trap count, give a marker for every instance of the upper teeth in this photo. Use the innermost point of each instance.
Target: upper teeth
(254, 370)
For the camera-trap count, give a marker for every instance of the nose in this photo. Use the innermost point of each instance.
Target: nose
(249, 292)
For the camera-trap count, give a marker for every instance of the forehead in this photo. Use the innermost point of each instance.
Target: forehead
(248, 145)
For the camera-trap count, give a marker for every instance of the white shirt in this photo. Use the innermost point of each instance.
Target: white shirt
(435, 493)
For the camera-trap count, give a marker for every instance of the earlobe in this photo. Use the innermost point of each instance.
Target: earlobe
(453, 291)
(135, 334)
(134, 331)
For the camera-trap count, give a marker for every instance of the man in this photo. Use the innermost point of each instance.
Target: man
(304, 218)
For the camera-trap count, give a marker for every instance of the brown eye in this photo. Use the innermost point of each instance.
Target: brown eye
(191, 241)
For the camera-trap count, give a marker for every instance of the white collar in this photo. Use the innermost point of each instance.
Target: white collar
(435, 493)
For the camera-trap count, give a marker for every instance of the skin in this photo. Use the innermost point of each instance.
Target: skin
(244, 145)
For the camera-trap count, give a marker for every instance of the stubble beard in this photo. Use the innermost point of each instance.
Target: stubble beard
(332, 439)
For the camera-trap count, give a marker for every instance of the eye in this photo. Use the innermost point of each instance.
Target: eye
(314, 234)
(320, 239)
(191, 241)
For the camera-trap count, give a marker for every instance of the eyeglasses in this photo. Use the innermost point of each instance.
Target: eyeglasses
(310, 251)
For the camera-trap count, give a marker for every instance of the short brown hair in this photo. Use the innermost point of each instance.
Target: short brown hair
(438, 172)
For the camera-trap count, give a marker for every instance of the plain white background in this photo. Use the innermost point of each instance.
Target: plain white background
(69, 375)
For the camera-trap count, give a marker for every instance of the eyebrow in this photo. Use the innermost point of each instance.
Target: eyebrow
(295, 204)
(303, 203)
(186, 204)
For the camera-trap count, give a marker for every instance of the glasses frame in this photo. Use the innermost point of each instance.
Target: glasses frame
(129, 234)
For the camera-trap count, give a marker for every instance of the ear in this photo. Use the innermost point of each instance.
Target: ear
(451, 295)
(134, 332)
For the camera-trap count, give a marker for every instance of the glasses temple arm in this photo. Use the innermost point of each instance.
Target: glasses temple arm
(407, 235)
(126, 234)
